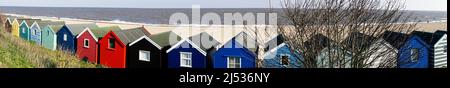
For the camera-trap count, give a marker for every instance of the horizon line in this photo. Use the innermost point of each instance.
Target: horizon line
(172, 8)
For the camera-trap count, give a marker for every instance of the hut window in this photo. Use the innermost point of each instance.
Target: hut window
(65, 37)
(23, 30)
(144, 55)
(234, 62)
(185, 59)
(33, 32)
(414, 55)
(284, 60)
(48, 32)
(86, 43)
(112, 43)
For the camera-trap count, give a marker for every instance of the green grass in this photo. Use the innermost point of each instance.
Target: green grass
(18, 53)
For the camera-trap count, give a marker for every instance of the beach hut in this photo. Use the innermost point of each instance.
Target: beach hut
(207, 43)
(239, 52)
(66, 36)
(24, 31)
(439, 49)
(372, 52)
(415, 52)
(437, 43)
(9, 23)
(192, 52)
(15, 26)
(87, 42)
(165, 40)
(326, 52)
(49, 36)
(143, 53)
(279, 55)
(36, 30)
(113, 46)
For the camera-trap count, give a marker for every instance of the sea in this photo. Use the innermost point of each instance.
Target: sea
(162, 15)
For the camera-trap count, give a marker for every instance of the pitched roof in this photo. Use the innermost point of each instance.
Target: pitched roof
(21, 19)
(129, 35)
(430, 38)
(30, 21)
(43, 24)
(358, 41)
(165, 39)
(78, 28)
(10, 19)
(55, 28)
(245, 40)
(315, 44)
(427, 37)
(438, 35)
(274, 41)
(318, 42)
(396, 39)
(102, 31)
(200, 41)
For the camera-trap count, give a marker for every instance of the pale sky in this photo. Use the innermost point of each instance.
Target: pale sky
(434, 5)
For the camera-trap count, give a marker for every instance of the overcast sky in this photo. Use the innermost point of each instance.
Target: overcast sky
(434, 5)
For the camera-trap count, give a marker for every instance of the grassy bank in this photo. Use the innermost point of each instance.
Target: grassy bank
(17, 53)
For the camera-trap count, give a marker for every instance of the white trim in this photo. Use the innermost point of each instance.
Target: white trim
(228, 61)
(15, 21)
(90, 32)
(190, 42)
(84, 43)
(181, 59)
(9, 19)
(231, 40)
(35, 24)
(234, 39)
(24, 22)
(146, 38)
(51, 29)
(54, 41)
(274, 49)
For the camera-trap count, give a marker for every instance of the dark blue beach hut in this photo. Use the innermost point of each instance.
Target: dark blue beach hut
(239, 52)
(185, 54)
(415, 52)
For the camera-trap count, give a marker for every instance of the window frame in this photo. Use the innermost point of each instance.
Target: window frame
(65, 37)
(235, 63)
(84, 43)
(33, 32)
(287, 58)
(141, 55)
(183, 59)
(415, 55)
(113, 43)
